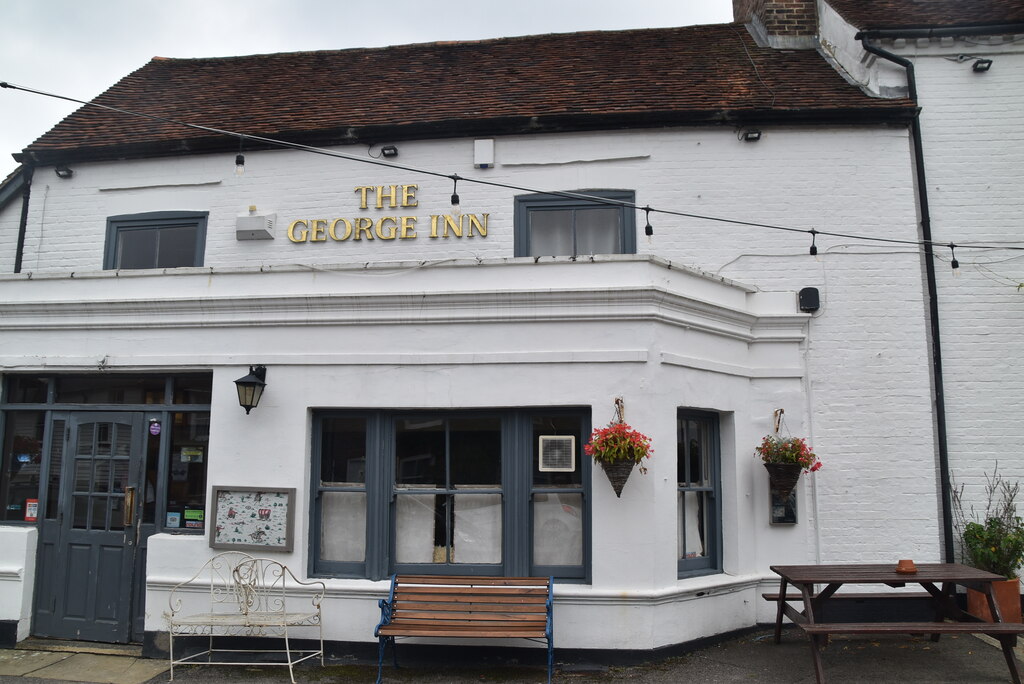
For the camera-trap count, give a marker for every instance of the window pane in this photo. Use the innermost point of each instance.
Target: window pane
(22, 456)
(26, 390)
(343, 526)
(56, 466)
(136, 249)
(343, 451)
(193, 389)
(557, 529)
(110, 389)
(176, 246)
(557, 425)
(417, 517)
(693, 524)
(477, 536)
(475, 452)
(420, 453)
(598, 230)
(551, 233)
(186, 484)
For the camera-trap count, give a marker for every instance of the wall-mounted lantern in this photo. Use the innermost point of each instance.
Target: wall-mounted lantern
(250, 388)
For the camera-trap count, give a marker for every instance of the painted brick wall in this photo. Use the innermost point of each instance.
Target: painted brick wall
(867, 394)
(973, 130)
(779, 17)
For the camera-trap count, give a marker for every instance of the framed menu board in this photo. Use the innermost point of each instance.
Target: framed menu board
(253, 519)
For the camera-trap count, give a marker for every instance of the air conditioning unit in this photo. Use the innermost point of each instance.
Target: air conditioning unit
(255, 227)
(557, 454)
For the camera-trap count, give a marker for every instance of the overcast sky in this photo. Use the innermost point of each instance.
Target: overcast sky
(80, 48)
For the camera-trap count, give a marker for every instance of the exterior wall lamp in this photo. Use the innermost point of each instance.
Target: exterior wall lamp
(250, 388)
(63, 172)
(389, 151)
(750, 134)
(981, 65)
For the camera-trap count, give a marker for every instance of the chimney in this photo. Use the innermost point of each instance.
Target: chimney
(784, 24)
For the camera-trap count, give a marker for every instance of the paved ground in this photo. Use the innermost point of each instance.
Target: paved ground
(750, 658)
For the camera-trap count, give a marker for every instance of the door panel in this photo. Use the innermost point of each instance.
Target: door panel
(88, 553)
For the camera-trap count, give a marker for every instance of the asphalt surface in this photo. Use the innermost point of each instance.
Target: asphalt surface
(753, 657)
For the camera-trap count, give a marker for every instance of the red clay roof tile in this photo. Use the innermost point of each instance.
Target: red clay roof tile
(894, 14)
(612, 79)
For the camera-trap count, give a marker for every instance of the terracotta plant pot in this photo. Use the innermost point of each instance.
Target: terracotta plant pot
(1007, 598)
(782, 477)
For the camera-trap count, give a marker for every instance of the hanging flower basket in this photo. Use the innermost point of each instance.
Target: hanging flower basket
(618, 473)
(782, 477)
(785, 459)
(619, 448)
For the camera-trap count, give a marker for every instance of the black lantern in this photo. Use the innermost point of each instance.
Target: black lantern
(250, 388)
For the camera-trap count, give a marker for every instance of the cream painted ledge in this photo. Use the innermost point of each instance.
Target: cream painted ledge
(679, 360)
(11, 574)
(568, 594)
(206, 361)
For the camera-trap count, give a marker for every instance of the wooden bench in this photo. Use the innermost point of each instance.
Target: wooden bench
(470, 607)
(244, 596)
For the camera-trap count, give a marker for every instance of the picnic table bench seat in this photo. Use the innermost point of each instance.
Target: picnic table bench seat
(470, 607)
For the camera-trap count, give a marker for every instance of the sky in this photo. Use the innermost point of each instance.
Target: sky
(79, 48)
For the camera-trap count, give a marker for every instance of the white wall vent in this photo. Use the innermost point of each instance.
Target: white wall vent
(557, 454)
(255, 227)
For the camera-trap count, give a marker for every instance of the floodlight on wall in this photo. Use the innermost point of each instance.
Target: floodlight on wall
(63, 172)
(750, 134)
(981, 65)
(389, 151)
(250, 388)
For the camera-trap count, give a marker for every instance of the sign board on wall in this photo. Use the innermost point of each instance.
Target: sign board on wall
(253, 519)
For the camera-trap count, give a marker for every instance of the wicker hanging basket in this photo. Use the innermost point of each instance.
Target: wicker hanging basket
(782, 477)
(618, 473)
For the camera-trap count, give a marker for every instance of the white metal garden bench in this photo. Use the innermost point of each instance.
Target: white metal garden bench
(247, 597)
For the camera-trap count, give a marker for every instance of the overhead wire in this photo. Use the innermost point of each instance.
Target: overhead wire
(276, 142)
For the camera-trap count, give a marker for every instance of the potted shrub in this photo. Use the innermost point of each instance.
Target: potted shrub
(784, 459)
(619, 448)
(993, 541)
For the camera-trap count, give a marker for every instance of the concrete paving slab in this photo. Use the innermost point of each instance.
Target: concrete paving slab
(20, 663)
(102, 669)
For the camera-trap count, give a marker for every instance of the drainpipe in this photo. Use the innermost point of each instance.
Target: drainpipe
(933, 297)
(26, 191)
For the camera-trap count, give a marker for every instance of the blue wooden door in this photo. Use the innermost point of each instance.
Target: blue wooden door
(89, 551)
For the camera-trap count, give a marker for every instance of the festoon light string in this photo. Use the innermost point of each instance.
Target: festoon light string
(455, 178)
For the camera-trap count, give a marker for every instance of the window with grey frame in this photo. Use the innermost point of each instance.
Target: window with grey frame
(556, 225)
(165, 239)
(698, 506)
(470, 492)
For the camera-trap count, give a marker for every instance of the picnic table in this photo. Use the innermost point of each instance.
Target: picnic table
(939, 580)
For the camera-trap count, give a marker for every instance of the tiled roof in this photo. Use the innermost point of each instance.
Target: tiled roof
(893, 14)
(575, 81)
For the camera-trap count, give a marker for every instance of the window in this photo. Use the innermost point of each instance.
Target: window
(698, 503)
(550, 225)
(156, 240)
(448, 493)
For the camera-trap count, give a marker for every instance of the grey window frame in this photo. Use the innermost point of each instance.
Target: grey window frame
(154, 220)
(517, 488)
(711, 563)
(623, 199)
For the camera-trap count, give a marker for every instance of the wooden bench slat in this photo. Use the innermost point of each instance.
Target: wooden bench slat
(456, 618)
(913, 628)
(468, 632)
(535, 608)
(525, 592)
(472, 580)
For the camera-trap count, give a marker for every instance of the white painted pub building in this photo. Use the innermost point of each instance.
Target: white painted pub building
(634, 219)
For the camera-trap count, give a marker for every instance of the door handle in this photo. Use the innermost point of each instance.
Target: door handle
(129, 506)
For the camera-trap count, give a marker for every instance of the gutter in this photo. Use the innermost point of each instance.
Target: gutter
(926, 235)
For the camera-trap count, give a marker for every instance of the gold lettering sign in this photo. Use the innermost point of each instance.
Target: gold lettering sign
(383, 197)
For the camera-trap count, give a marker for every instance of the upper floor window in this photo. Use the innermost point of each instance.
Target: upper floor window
(165, 239)
(552, 225)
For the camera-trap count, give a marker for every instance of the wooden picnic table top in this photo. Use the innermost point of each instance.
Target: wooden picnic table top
(882, 573)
